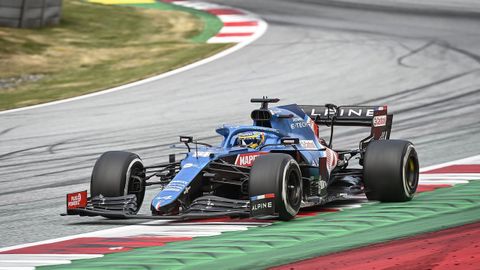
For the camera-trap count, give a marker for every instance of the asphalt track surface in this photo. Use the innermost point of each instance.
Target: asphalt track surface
(425, 65)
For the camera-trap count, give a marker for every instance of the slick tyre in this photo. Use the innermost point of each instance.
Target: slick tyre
(390, 171)
(278, 174)
(114, 175)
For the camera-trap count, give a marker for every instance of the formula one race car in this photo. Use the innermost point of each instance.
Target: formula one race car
(270, 169)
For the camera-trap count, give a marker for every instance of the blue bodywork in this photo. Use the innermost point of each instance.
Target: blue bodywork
(286, 121)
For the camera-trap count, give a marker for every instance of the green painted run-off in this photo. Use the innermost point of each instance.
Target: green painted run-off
(285, 242)
(211, 23)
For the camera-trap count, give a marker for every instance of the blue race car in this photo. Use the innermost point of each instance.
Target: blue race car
(270, 169)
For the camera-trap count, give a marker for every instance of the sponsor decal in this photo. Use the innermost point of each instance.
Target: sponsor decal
(201, 154)
(350, 112)
(322, 184)
(332, 158)
(313, 126)
(264, 196)
(379, 121)
(308, 144)
(262, 205)
(369, 112)
(188, 165)
(77, 200)
(247, 159)
(176, 186)
(298, 123)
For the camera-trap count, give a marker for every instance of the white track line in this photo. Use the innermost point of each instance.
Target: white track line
(261, 29)
(16, 268)
(238, 29)
(29, 261)
(231, 18)
(442, 182)
(197, 5)
(444, 177)
(225, 39)
(468, 160)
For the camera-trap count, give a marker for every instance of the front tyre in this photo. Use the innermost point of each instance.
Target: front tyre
(279, 174)
(117, 173)
(390, 170)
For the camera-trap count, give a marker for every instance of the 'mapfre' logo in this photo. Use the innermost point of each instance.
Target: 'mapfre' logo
(247, 159)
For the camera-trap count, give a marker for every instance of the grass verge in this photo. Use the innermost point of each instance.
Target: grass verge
(97, 47)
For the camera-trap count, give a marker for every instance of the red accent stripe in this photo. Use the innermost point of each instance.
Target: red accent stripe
(269, 195)
(224, 11)
(219, 219)
(315, 212)
(246, 23)
(455, 248)
(229, 219)
(234, 34)
(470, 168)
(307, 214)
(426, 188)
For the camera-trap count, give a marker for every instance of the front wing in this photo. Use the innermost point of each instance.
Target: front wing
(125, 207)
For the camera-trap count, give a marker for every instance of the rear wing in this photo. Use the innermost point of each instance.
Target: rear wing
(375, 117)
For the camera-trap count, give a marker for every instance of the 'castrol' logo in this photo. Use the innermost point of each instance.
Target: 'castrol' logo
(247, 160)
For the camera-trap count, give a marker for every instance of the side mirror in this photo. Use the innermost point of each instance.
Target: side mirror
(186, 139)
(289, 141)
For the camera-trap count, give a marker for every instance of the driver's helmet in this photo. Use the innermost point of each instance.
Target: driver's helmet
(250, 139)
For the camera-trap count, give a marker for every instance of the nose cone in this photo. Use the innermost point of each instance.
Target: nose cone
(165, 200)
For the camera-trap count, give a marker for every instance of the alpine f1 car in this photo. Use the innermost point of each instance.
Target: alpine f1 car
(270, 169)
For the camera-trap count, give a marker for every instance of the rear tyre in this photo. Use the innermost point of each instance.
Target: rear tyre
(114, 175)
(278, 174)
(390, 171)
